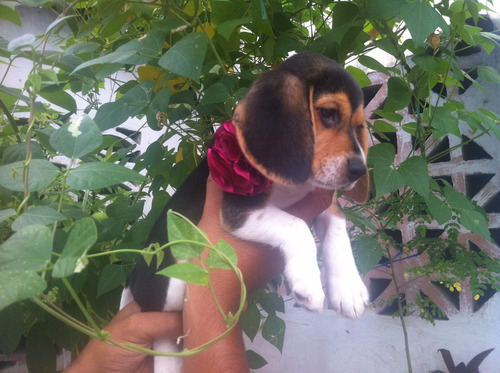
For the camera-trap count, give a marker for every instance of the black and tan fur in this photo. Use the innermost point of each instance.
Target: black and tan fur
(302, 126)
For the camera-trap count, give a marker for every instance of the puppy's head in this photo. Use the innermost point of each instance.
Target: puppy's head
(304, 122)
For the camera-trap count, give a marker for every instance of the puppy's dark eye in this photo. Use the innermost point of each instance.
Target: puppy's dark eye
(330, 117)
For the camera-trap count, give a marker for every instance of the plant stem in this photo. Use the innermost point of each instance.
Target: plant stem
(11, 119)
(64, 314)
(83, 329)
(98, 332)
(212, 46)
(401, 312)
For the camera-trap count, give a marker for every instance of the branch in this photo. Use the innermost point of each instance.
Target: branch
(11, 119)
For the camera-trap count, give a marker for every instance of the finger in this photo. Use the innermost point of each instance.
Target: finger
(130, 309)
(154, 325)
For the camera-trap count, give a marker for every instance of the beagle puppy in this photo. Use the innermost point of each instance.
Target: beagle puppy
(300, 126)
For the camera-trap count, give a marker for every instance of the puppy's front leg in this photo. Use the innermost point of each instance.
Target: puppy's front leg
(347, 294)
(271, 226)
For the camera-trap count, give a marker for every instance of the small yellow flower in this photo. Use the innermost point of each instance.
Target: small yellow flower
(405, 275)
(476, 297)
(457, 286)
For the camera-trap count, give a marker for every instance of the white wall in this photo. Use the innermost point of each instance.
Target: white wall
(329, 343)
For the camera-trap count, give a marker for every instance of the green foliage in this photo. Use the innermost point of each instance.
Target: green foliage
(71, 219)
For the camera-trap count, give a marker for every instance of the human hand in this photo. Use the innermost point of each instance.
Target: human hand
(130, 325)
(258, 265)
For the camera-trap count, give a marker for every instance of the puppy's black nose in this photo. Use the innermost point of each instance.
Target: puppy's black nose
(356, 169)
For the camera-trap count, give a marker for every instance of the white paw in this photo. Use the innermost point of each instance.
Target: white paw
(304, 279)
(347, 294)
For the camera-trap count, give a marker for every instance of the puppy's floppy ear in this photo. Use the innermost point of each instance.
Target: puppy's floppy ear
(274, 127)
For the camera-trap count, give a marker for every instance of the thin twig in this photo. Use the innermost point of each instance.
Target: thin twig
(11, 119)
(401, 313)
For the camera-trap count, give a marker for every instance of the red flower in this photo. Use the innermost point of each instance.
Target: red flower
(229, 167)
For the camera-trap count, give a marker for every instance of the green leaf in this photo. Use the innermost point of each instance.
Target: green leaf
(132, 103)
(13, 92)
(161, 100)
(415, 174)
(398, 95)
(422, 20)
(109, 7)
(475, 222)
(26, 40)
(28, 249)
(225, 29)
(99, 175)
(82, 47)
(271, 302)
(55, 94)
(488, 74)
(57, 22)
(81, 238)
(443, 122)
(223, 11)
(158, 105)
(6, 213)
(383, 127)
(215, 261)
(373, 64)
(16, 285)
(489, 120)
(186, 57)
(124, 211)
(368, 252)
(111, 58)
(250, 321)
(41, 174)
(38, 215)
(181, 105)
(10, 14)
(384, 9)
(188, 272)
(273, 331)
(387, 180)
(359, 75)
(180, 229)
(77, 138)
(438, 209)
(61, 334)
(114, 24)
(11, 328)
(389, 115)
(381, 155)
(40, 351)
(428, 63)
(457, 200)
(17, 152)
(147, 48)
(255, 361)
(112, 276)
(215, 94)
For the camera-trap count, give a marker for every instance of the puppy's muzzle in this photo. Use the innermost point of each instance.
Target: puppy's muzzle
(356, 169)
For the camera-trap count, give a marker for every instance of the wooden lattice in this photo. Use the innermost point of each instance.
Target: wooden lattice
(473, 170)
